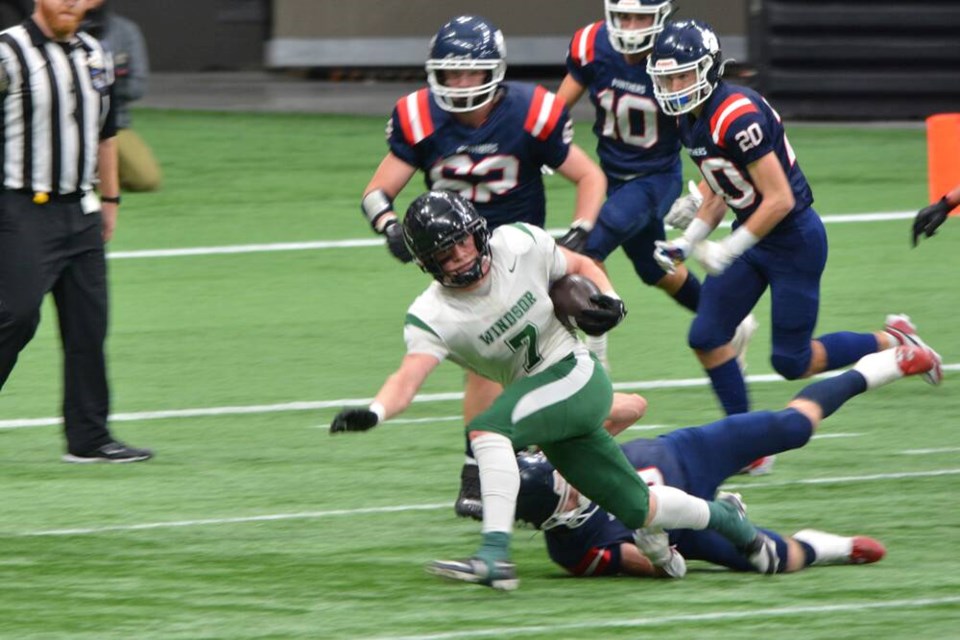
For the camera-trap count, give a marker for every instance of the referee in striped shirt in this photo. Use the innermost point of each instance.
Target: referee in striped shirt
(57, 131)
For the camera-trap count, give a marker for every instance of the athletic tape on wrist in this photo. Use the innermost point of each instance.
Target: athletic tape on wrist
(697, 231)
(375, 205)
(740, 240)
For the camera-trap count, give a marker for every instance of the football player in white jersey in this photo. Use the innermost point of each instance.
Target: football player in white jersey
(472, 132)
(489, 310)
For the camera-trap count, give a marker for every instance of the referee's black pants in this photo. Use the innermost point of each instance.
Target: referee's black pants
(55, 247)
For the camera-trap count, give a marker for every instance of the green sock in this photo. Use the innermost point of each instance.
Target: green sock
(495, 546)
(726, 520)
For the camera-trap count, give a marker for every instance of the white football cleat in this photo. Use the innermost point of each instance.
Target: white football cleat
(741, 339)
(903, 331)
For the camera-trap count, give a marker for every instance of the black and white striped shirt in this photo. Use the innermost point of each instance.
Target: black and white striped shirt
(55, 110)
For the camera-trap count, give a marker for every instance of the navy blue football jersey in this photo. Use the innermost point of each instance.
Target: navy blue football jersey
(634, 137)
(737, 127)
(697, 460)
(496, 165)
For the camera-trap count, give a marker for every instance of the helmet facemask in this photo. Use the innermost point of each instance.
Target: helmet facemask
(464, 99)
(434, 224)
(466, 43)
(634, 41)
(569, 518)
(675, 103)
(481, 265)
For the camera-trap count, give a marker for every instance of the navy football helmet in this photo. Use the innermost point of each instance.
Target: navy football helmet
(635, 40)
(435, 222)
(683, 47)
(466, 43)
(544, 494)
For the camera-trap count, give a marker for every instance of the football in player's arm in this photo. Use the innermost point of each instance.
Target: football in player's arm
(471, 132)
(489, 310)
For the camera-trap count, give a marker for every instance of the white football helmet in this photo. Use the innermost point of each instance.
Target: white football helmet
(635, 40)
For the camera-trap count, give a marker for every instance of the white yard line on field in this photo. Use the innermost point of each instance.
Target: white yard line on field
(373, 242)
(640, 385)
(828, 436)
(926, 452)
(313, 515)
(690, 618)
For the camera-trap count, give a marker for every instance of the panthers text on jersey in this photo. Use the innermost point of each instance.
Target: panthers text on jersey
(496, 165)
(634, 138)
(737, 127)
(505, 329)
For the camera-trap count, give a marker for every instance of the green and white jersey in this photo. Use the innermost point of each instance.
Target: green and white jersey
(504, 329)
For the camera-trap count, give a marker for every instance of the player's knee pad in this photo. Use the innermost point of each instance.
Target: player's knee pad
(793, 429)
(704, 335)
(606, 236)
(649, 271)
(790, 366)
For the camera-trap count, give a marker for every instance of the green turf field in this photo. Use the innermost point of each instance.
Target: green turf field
(253, 522)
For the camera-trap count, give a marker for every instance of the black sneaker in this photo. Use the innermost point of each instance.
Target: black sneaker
(110, 452)
(469, 504)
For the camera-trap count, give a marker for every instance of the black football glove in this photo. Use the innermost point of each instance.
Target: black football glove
(575, 238)
(354, 419)
(596, 322)
(398, 248)
(929, 219)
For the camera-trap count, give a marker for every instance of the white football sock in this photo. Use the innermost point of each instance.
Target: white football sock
(598, 346)
(891, 341)
(879, 368)
(678, 510)
(499, 481)
(827, 548)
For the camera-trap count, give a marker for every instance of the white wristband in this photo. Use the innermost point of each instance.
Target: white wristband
(740, 240)
(697, 231)
(378, 409)
(375, 206)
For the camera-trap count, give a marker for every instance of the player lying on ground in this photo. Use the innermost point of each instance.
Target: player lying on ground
(490, 312)
(586, 541)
